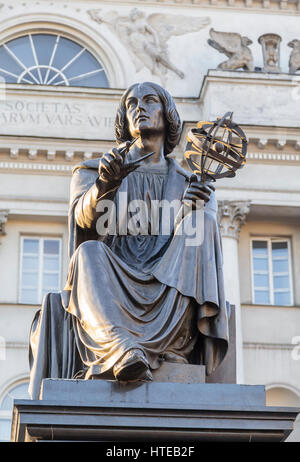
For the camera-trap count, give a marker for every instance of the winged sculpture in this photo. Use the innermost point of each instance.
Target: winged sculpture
(146, 36)
(235, 47)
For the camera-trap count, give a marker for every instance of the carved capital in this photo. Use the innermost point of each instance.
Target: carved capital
(232, 216)
(3, 220)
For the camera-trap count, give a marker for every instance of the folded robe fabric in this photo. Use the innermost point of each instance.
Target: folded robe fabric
(143, 291)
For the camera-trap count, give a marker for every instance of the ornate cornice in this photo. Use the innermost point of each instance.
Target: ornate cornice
(3, 220)
(232, 216)
(38, 167)
(273, 6)
(269, 5)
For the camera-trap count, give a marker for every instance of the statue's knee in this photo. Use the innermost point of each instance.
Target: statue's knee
(89, 247)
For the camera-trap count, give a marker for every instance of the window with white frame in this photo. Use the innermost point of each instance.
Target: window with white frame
(50, 59)
(40, 270)
(271, 271)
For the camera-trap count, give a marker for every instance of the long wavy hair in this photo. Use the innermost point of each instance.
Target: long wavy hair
(173, 122)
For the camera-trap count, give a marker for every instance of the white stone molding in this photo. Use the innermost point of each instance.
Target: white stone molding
(32, 154)
(280, 144)
(274, 157)
(38, 167)
(283, 4)
(272, 5)
(51, 154)
(266, 4)
(69, 155)
(232, 215)
(88, 155)
(262, 143)
(217, 96)
(268, 346)
(3, 220)
(14, 152)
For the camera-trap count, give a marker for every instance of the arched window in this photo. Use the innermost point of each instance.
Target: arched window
(47, 59)
(19, 391)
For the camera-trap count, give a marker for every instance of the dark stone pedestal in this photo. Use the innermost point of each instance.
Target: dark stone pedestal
(98, 410)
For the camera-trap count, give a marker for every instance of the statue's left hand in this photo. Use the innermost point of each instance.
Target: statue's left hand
(198, 191)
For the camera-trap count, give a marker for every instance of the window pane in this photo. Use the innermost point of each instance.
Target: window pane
(44, 45)
(7, 78)
(22, 49)
(97, 80)
(29, 296)
(8, 63)
(30, 263)
(280, 266)
(262, 297)
(260, 247)
(31, 246)
(261, 280)
(282, 298)
(281, 282)
(50, 281)
(30, 279)
(85, 63)
(260, 264)
(66, 51)
(51, 263)
(279, 249)
(51, 247)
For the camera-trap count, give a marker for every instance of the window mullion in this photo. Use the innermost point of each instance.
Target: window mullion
(271, 281)
(291, 282)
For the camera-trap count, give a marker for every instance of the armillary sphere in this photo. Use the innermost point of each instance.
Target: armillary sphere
(211, 152)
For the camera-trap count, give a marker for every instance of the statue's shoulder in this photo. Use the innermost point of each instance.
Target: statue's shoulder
(91, 164)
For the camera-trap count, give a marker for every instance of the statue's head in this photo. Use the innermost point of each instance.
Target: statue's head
(246, 41)
(294, 44)
(159, 112)
(135, 13)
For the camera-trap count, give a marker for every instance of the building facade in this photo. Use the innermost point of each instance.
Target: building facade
(63, 68)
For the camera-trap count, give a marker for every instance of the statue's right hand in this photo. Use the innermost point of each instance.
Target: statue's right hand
(111, 168)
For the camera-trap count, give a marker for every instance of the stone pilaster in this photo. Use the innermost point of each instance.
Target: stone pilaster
(232, 216)
(3, 220)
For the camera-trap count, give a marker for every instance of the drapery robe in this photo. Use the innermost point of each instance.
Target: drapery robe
(134, 291)
(142, 291)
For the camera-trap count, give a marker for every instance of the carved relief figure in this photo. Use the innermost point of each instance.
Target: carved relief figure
(294, 62)
(147, 36)
(235, 47)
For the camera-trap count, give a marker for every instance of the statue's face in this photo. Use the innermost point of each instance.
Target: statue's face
(145, 112)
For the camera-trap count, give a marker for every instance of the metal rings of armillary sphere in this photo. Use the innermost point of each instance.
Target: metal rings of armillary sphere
(210, 149)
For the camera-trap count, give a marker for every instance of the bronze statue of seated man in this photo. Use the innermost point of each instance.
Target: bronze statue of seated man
(137, 295)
